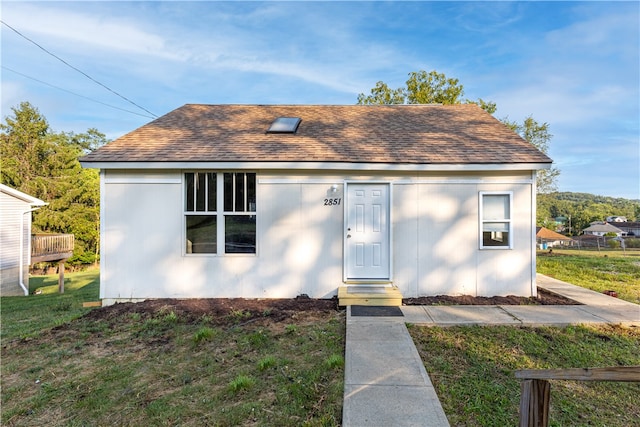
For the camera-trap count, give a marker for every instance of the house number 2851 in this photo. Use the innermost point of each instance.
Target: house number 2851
(332, 202)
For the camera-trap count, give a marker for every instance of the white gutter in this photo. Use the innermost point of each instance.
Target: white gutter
(22, 285)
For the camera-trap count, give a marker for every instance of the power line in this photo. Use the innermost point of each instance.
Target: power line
(76, 69)
(76, 94)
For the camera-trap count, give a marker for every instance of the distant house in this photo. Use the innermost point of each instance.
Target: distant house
(548, 239)
(629, 228)
(15, 240)
(271, 201)
(616, 219)
(601, 229)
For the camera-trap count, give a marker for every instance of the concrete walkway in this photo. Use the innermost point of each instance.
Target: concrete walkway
(386, 383)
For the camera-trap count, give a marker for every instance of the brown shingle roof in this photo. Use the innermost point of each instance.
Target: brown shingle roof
(546, 234)
(403, 134)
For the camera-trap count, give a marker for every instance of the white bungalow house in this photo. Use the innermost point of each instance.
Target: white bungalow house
(271, 201)
(15, 240)
(601, 229)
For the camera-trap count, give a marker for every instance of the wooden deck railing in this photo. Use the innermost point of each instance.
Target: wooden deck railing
(51, 247)
(536, 390)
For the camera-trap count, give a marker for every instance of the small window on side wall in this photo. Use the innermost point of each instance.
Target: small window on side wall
(239, 213)
(495, 220)
(200, 212)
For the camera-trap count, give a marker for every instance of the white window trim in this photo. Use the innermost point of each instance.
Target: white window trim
(220, 214)
(224, 213)
(186, 213)
(481, 220)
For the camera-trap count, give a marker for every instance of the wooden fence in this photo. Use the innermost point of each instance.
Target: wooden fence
(536, 390)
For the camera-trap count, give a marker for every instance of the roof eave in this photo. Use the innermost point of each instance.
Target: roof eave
(33, 201)
(401, 167)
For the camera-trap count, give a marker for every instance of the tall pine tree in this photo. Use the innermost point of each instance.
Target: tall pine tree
(44, 164)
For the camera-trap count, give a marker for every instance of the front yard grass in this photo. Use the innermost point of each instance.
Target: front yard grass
(472, 369)
(596, 270)
(60, 369)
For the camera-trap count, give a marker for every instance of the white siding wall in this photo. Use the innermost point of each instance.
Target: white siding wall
(445, 231)
(435, 247)
(299, 240)
(141, 241)
(11, 211)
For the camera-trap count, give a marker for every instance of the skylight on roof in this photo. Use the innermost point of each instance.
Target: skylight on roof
(284, 125)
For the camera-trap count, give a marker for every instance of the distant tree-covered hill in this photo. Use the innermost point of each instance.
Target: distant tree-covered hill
(582, 209)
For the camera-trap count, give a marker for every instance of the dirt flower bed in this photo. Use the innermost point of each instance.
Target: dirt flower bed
(223, 311)
(544, 298)
(229, 311)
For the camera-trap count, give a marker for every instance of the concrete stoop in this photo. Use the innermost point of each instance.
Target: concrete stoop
(370, 295)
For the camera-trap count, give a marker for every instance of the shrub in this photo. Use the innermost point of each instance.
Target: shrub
(632, 243)
(267, 362)
(241, 382)
(203, 334)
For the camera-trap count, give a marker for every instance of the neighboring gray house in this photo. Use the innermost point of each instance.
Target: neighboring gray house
(274, 201)
(629, 228)
(602, 229)
(15, 240)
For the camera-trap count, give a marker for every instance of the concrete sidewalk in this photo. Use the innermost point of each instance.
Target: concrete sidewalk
(386, 383)
(595, 308)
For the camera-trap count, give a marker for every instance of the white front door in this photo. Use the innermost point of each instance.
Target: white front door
(367, 240)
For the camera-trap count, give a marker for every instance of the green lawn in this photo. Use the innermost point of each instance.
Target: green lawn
(472, 369)
(26, 316)
(607, 270)
(127, 368)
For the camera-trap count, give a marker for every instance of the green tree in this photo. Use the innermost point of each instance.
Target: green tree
(382, 94)
(24, 148)
(45, 164)
(537, 134)
(422, 88)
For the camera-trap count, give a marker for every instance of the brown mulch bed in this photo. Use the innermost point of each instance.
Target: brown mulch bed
(229, 311)
(544, 298)
(222, 311)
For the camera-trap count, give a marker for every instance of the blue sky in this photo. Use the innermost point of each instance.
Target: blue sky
(574, 65)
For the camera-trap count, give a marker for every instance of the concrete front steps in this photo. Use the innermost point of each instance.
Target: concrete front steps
(370, 295)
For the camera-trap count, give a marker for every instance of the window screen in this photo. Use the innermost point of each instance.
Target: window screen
(495, 211)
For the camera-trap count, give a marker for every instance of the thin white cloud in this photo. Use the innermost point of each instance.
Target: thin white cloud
(607, 33)
(81, 30)
(321, 54)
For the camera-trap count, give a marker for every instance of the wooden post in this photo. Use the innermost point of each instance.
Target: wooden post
(536, 390)
(534, 403)
(61, 277)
